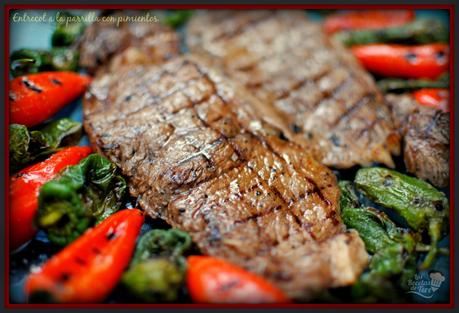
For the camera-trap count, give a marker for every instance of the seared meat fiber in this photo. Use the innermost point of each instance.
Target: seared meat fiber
(110, 45)
(315, 84)
(425, 134)
(196, 154)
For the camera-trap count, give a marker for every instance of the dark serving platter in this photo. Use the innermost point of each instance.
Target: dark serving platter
(31, 256)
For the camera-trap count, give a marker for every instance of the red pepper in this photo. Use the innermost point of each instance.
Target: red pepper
(424, 61)
(212, 280)
(36, 97)
(90, 267)
(25, 186)
(367, 20)
(436, 98)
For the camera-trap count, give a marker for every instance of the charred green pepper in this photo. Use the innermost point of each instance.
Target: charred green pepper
(82, 195)
(403, 85)
(26, 146)
(27, 61)
(421, 31)
(158, 267)
(422, 206)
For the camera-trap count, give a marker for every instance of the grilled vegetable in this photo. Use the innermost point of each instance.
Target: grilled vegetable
(36, 97)
(88, 269)
(158, 267)
(419, 203)
(82, 195)
(426, 61)
(30, 61)
(212, 280)
(367, 19)
(436, 98)
(27, 146)
(170, 244)
(402, 85)
(375, 228)
(24, 189)
(421, 31)
(394, 249)
(154, 280)
(177, 18)
(68, 29)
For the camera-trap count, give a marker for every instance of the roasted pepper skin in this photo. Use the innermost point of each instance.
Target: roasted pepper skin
(212, 280)
(157, 270)
(422, 206)
(82, 195)
(24, 191)
(393, 60)
(88, 269)
(26, 146)
(36, 97)
(368, 19)
(436, 98)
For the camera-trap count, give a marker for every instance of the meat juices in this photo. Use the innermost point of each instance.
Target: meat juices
(328, 102)
(193, 146)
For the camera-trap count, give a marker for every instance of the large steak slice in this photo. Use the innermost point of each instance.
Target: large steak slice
(323, 94)
(126, 38)
(197, 154)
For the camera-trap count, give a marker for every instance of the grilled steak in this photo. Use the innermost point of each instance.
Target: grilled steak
(324, 96)
(425, 134)
(108, 45)
(197, 154)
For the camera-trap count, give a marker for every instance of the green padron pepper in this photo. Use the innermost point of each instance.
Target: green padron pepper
(393, 249)
(422, 206)
(26, 146)
(82, 195)
(404, 85)
(29, 61)
(421, 31)
(157, 270)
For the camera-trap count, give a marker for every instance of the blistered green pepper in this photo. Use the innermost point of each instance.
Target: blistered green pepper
(405, 85)
(154, 280)
(82, 195)
(421, 31)
(422, 206)
(27, 146)
(27, 61)
(158, 267)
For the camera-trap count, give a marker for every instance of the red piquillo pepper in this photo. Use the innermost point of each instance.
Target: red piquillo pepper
(212, 280)
(436, 98)
(36, 97)
(424, 61)
(25, 186)
(90, 267)
(368, 19)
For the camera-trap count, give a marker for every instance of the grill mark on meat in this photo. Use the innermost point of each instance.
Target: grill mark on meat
(242, 28)
(226, 220)
(354, 108)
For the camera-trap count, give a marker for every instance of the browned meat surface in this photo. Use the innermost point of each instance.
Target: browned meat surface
(317, 86)
(106, 43)
(425, 134)
(196, 153)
